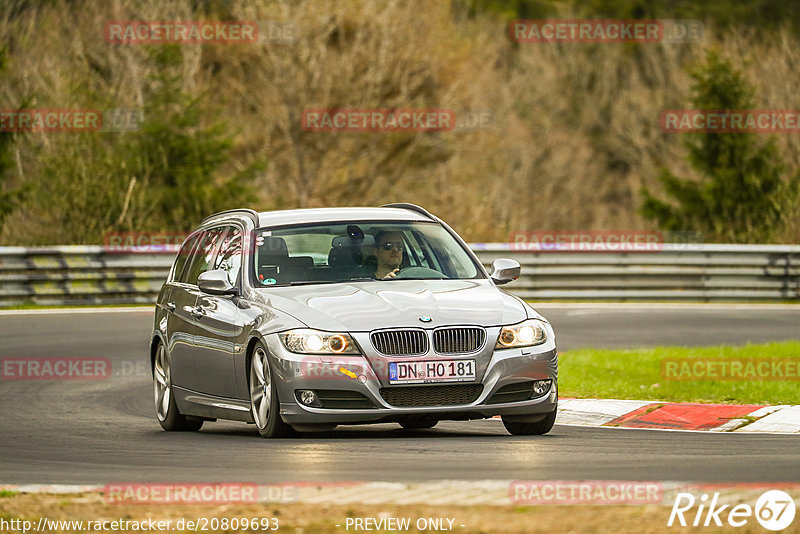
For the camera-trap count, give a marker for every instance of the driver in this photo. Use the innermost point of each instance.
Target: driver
(389, 253)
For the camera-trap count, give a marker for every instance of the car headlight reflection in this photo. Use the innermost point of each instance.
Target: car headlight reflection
(306, 341)
(524, 334)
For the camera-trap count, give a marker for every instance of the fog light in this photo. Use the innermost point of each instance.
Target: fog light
(307, 396)
(540, 387)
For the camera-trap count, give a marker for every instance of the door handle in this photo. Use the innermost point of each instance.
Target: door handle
(196, 312)
(170, 306)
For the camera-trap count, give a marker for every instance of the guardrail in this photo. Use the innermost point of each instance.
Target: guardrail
(93, 275)
(80, 275)
(677, 272)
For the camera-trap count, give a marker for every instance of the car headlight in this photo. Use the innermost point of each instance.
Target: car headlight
(524, 334)
(307, 341)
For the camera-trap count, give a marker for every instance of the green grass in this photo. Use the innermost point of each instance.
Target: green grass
(637, 374)
(6, 494)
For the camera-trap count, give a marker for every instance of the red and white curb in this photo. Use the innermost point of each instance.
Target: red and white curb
(746, 418)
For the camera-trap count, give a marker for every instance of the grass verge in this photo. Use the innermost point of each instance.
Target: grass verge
(640, 374)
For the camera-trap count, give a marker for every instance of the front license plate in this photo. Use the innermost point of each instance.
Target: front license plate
(431, 371)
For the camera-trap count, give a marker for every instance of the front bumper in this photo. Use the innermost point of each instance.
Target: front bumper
(356, 374)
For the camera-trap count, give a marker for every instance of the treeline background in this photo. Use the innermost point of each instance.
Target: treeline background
(575, 138)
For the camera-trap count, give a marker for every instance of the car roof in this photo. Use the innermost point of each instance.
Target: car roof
(312, 215)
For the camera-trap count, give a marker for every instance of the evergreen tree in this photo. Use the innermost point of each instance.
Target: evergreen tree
(742, 195)
(177, 154)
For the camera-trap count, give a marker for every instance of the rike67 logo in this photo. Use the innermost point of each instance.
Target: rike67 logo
(774, 510)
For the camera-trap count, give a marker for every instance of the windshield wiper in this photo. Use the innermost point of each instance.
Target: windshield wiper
(311, 282)
(419, 278)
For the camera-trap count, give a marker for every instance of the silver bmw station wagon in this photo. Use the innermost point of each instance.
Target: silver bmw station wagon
(301, 320)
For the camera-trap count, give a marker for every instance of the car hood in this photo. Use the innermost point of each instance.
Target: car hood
(366, 306)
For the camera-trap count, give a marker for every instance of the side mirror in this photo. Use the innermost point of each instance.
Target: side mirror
(505, 270)
(215, 283)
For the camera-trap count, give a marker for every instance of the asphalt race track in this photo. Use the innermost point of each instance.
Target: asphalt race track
(93, 432)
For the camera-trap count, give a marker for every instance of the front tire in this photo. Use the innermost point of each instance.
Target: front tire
(264, 402)
(531, 429)
(167, 412)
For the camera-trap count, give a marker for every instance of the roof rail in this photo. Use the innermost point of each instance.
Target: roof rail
(411, 207)
(253, 214)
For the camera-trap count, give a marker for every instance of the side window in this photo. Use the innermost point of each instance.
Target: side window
(203, 257)
(183, 255)
(229, 257)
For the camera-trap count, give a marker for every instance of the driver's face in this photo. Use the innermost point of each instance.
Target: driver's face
(394, 243)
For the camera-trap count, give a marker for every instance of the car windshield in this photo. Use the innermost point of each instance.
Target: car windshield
(359, 251)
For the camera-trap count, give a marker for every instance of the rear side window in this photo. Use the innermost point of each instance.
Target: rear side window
(184, 255)
(229, 257)
(203, 257)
